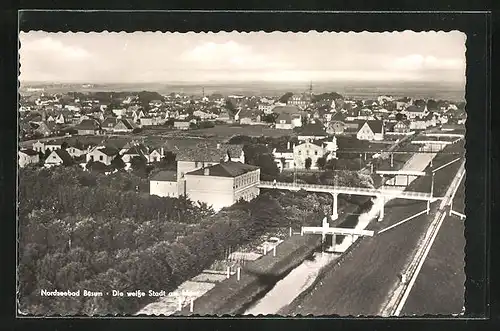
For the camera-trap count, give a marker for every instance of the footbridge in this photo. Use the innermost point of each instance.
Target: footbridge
(382, 193)
(400, 177)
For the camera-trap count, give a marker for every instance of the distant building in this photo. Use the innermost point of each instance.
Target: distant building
(416, 112)
(300, 100)
(88, 127)
(283, 157)
(104, 155)
(109, 123)
(308, 150)
(28, 156)
(284, 122)
(124, 125)
(289, 117)
(248, 116)
(400, 127)
(39, 146)
(371, 130)
(181, 125)
(58, 157)
(223, 184)
(224, 117)
(51, 146)
(312, 131)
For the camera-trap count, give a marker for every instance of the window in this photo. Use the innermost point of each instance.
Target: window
(307, 152)
(92, 158)
(316, 153)
(100, 157)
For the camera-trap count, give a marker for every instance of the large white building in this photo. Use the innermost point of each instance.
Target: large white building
(164, 184)
(223, 184)
(295, 156)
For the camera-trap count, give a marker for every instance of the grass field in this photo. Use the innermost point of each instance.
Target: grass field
(442, 277)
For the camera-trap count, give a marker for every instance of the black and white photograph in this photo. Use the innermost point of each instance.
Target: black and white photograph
(229, 173)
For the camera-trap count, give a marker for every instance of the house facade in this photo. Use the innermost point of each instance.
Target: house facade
(284, 122)
(39, 146)
(164, 184)
(58, 157)
(401, 127)
(181, 125)
(223, 184)
(27, 156)
(104, 155)
(307, 150)
(335, 127)
(283, 157)
(371, 130)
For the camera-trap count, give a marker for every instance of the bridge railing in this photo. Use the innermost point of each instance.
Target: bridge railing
(352, 190)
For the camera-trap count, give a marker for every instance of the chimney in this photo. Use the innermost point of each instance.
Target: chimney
(206, 171)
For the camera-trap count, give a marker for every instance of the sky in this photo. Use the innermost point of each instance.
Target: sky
(154, 57)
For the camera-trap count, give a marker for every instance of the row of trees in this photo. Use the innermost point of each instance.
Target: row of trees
(79, 230)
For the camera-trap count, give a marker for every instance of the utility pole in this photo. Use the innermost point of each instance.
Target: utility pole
(432, 185)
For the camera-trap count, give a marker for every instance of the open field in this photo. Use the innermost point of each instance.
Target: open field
(360, 285)
(227, 131)
(442, 277)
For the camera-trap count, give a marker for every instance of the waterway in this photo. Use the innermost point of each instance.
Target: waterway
(302, 278)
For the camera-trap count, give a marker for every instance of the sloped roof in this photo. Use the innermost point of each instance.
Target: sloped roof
(414, 109)
(89, 124)
(109, 122)
(226, 169)
(109, 151)
(29, 152)
(64, 155)
(286, 110)
(284, 117)
(165, 176)
(251, 113)
(128, 123)
(208, 152)
(313, 129)
(375, 126)
(137, 150)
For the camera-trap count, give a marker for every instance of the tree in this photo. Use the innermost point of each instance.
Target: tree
(117, 163)
(285, 97)
(400, 117)
(269, 118)
(97, 166)
(321, 162)
(308, 163)
(231, 108)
